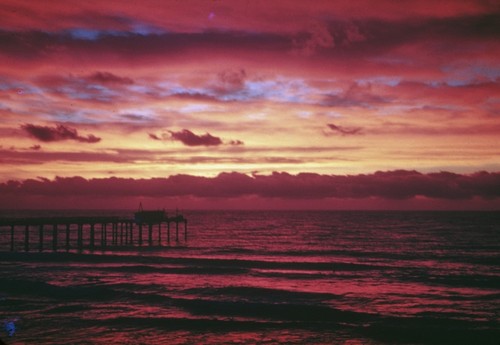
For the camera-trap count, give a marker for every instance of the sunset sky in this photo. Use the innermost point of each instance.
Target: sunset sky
(250, 104)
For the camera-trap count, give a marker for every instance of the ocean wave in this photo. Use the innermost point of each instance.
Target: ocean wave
(34, 288)
(177, 270)
(241, 263)
(275, 295)
(270, 311)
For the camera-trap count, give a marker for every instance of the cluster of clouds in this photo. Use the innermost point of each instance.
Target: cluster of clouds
(398, 184)
(61, 132)
(189, 138)
(445, 57)
(236, 76)
(58, 133)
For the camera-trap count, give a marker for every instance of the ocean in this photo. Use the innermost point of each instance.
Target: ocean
(266, 277)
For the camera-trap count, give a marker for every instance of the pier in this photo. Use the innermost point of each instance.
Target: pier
(147, 228)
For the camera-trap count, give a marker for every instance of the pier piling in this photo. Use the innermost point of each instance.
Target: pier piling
(159, 234)
(140, 234)
(177, 231)
(121, 234)
(67, 236)
(92, 236)
(150, 234)
(54, 237)
(27, 238)
(80, 237)
(185, 230)
(12, 238)
(40, 245)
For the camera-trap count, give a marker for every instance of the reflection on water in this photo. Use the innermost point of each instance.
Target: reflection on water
(270, 277)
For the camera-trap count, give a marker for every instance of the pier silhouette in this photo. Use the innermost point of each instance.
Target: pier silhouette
(99, 232)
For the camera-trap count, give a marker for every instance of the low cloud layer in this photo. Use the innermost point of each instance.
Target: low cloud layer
(58, 133)
(391, 185)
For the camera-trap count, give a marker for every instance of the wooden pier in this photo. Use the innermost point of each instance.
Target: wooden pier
(152, 228)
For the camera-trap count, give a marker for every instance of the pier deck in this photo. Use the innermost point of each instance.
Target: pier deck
(100, 232)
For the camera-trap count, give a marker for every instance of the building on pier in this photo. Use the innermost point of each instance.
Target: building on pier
(147, 217)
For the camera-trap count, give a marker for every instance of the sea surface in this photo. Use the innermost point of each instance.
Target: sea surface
(271, 277)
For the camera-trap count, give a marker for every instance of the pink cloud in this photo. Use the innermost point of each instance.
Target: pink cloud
(58, 133)
(153, 136)
(344, 130)
(109, 78)
(229, 81)
(193, 16)
(398, 184)
(188, 138)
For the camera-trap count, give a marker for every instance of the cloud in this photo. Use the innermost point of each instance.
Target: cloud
(35, 147)
(230, 81)
(58, 133)
(188, 138)
(344, 130)
(355, 95)
(194, 15)
(36, 45)
(109, 78)
(236, 142)
(393, 185)
(318, 37)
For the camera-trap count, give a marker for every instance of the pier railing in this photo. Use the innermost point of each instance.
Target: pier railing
(59, 233)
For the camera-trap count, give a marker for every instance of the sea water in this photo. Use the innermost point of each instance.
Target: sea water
(266, 277)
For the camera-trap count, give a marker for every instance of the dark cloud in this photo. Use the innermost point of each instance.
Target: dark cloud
(355, 95)
(236, 142)
(153, 136)
(109, 78)
(344, 130)
(38, 156)
(37, 44)
(230, 81)
(196, 96)
(188, 138)
(318, 37)
(138, 119)
(361, 37)
(228, 155)
(395, 185)
(58, 133)
(35, 147)
(102, 88)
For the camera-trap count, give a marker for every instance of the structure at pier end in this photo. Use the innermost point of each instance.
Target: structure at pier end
(99, 232)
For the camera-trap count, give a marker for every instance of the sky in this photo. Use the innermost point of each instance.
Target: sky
(250, 104)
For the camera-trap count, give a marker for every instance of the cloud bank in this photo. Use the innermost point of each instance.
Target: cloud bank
(397, 185)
